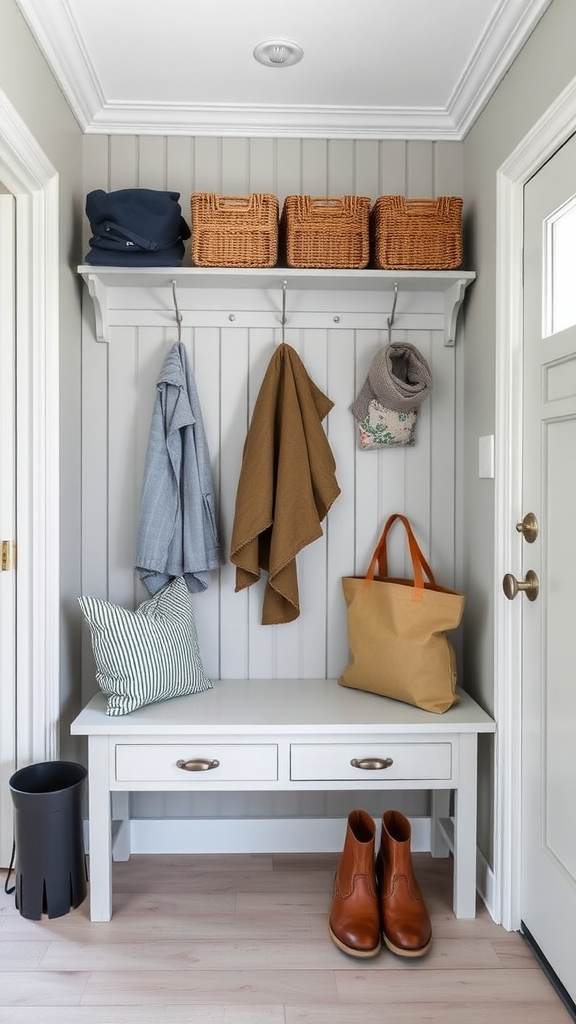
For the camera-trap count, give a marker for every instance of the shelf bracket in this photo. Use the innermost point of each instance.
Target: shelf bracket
(98, 293)
(453, 299)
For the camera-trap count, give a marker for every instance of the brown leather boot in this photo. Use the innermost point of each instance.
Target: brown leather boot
(406, 927)
(354, 915)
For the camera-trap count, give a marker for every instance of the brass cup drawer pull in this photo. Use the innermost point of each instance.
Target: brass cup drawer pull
(198, 764)
(372, 764)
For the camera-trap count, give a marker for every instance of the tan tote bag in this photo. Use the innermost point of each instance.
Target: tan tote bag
(396, 631)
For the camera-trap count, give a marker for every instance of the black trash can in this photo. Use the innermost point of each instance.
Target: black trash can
(48, 837)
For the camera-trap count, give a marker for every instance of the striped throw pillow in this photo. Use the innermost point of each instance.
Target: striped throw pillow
(149, 654)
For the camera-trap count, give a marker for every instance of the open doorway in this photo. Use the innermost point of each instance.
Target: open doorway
(30, 260)
(7, 512)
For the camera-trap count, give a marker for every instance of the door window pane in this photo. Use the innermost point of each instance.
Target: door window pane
(560, 269)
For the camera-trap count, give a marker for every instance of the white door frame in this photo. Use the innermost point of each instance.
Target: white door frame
(7, 520)
(547, 135)
(29, 175)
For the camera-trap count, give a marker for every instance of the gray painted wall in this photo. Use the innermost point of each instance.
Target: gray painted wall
(31, 88)
(542, 70)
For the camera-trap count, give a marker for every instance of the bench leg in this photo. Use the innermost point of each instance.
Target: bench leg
(99, 830)
(465, 802)
(440, 810)
(121, 826)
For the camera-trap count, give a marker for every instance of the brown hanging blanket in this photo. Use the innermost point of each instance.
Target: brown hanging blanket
(287, 484)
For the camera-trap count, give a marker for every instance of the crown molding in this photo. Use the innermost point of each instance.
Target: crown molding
(54, 28)
(513, 22)
(272, 121)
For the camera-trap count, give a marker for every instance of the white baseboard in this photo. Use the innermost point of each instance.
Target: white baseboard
(251, 835)
(485, 883)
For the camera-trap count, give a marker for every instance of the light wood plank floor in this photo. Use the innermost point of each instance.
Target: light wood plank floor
(243, 940)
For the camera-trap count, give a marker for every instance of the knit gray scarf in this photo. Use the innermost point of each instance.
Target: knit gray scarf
(399, 378)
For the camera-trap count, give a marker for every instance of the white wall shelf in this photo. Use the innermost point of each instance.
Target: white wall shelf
(231, 297)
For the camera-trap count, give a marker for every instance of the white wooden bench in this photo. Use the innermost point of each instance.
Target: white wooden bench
(291, 734)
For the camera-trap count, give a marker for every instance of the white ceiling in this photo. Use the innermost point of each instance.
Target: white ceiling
(371, 68)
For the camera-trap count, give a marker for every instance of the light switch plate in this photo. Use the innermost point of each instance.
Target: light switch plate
(486, 457)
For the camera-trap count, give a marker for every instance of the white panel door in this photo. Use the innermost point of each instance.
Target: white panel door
(7, 520)
(549, 622)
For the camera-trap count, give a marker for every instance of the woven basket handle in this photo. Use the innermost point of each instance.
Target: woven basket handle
(431, 208)
(326, 201)
(325, 204)
(238, 202)
(379, 559)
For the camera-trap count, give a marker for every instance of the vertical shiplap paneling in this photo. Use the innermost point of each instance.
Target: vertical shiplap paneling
(152, 162)
(392, 168)
(124, 170)
(235, 169)
(419, 170)
(229, 365)
(339, 526)
(341, 166)
(207, 165)
(234, 349)
(262, 166)
(314, 180)
(443, 475)
(315, 353)
(288, 169)
(124, 393)
(180, 177)
(366, 168)
(179, 163)
(204, 355)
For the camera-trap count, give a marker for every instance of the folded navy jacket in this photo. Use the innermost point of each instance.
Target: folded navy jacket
(136, 227)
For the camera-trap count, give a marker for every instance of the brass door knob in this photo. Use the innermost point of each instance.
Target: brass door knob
(530, 585)
(528, 527)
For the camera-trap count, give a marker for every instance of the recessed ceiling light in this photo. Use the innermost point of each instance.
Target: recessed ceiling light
(278, 53)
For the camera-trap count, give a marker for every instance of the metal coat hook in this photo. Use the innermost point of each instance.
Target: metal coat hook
(283, 318)
(177, 312)
(392, 316)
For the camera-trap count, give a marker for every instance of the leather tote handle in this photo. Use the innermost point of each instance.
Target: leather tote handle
(379, 559)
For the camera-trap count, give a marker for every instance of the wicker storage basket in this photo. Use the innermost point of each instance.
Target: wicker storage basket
(318, 231)
(234, 231)
(416, 234)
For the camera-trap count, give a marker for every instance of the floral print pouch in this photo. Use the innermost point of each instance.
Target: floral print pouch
(382, 427)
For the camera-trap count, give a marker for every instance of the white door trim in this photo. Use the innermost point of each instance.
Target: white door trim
(547, 135)
(29, 175)
(7, 520)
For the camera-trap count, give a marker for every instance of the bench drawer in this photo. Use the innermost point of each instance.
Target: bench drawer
(375, 762)
(236, 762)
